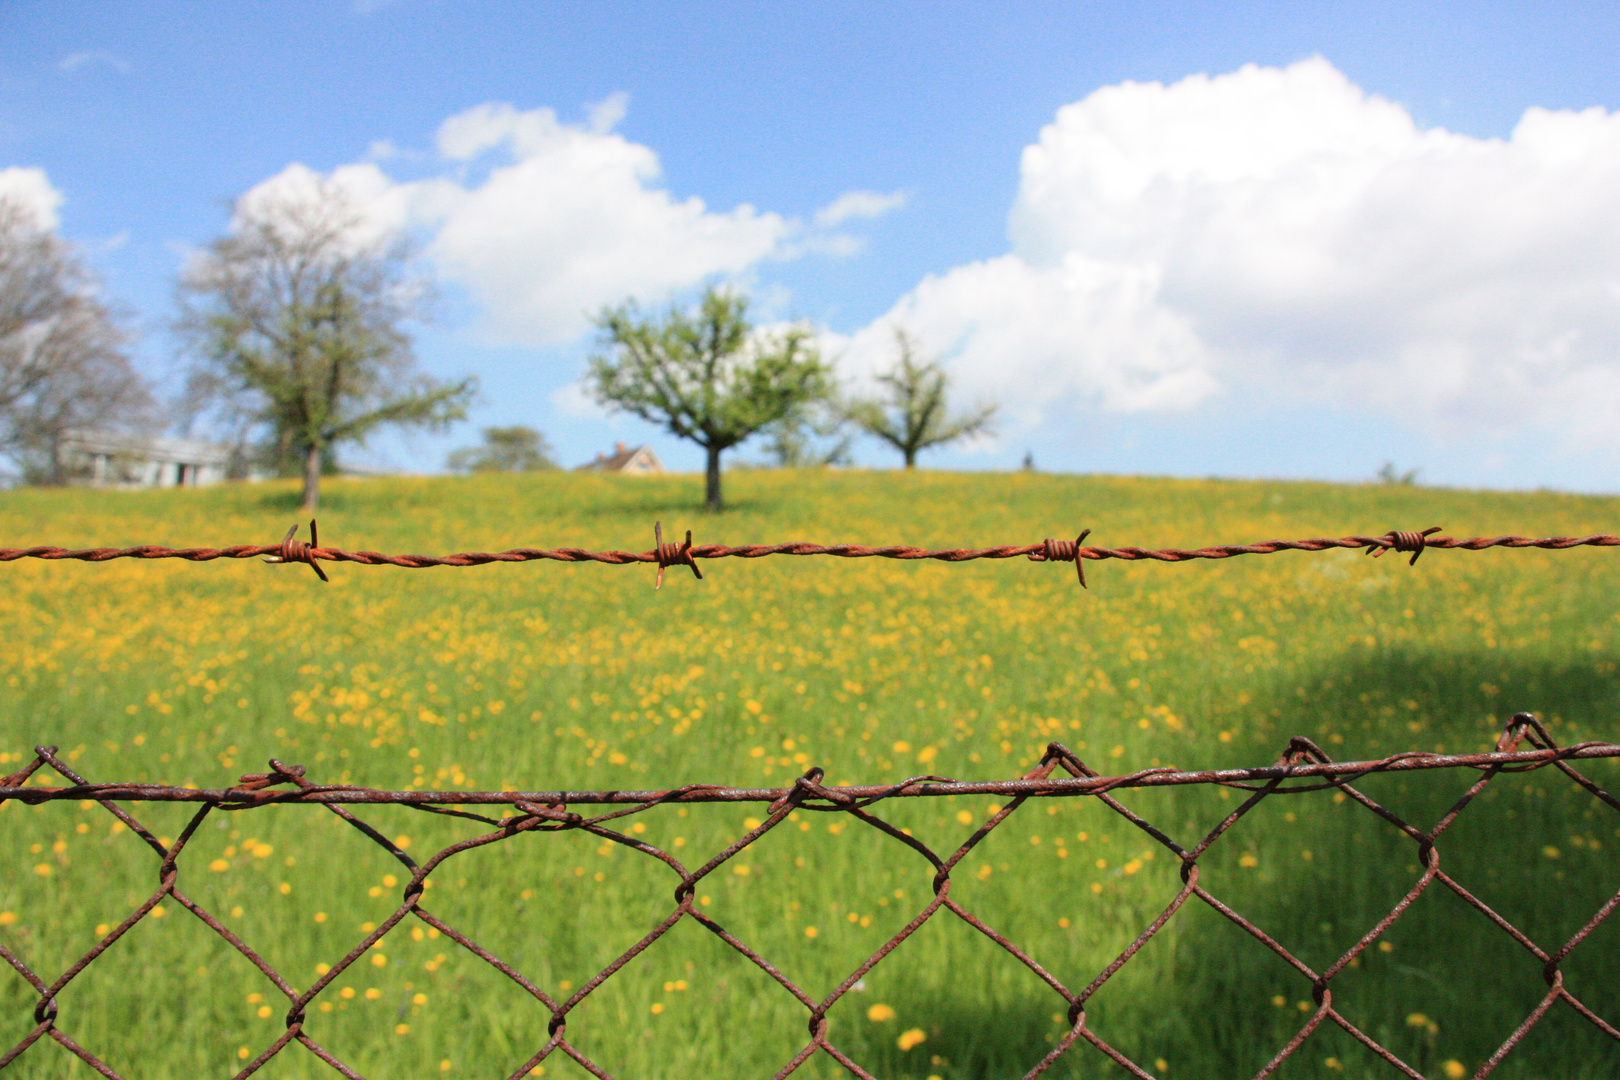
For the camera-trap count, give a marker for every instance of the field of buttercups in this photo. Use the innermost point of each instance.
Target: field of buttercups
(546, 676)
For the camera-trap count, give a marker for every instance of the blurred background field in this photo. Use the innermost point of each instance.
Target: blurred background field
(546, 676)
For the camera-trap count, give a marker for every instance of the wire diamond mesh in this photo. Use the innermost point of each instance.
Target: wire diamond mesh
(1302, 769)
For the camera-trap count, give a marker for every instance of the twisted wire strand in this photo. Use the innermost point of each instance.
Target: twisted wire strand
(665, 554)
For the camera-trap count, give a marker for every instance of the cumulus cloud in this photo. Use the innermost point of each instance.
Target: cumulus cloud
(552, 221)
(544, 223)
(1281, 231)
(382, 209)
(1083, 333)
(30, 189)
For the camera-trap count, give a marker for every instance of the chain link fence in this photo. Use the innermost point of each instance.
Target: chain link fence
(501, 816)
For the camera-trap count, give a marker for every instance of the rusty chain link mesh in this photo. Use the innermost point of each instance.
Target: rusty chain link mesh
(1303, 767)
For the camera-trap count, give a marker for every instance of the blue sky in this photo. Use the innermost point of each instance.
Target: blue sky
(1292, 240)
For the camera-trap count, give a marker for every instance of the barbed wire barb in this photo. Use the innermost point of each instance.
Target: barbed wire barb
(669, 555)
(1065, 551)
(1414, 542)
(292, 551)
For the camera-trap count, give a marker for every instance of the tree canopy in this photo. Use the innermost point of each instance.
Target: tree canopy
(911, 415)
(705, 376)
(505, 449)
(297, 320)
(62, 362)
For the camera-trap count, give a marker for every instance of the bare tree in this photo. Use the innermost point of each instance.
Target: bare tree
(297, 318)
(705, 377)
(913, 417)
(62, 360)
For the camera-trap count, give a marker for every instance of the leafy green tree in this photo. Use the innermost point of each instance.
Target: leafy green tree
(705, 376)
(505, 449)
(297, 322)
(911, 416)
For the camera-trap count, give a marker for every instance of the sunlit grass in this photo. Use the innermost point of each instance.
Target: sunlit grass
(549, 676)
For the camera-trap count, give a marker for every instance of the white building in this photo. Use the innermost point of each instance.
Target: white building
(114, 459)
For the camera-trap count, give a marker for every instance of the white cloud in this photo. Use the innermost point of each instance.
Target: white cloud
(1281, 232)
(833, 244)
(382, 208)
(544, 223)
(387, 150)
(30, 189)
(1082, 334)
(859, 204)
(567, 219)
(78, 60)
(605, 115)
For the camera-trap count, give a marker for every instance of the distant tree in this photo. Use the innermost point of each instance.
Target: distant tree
(62, 360)
(296, 319)
(1389, 475)
(706, 377)
(505, 449)
(911, 415)
(809, 438)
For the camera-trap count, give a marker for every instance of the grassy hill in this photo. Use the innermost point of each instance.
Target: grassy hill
(545, 676)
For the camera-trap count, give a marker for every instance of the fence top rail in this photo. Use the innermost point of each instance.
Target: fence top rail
(1303, 761)
(667, 554)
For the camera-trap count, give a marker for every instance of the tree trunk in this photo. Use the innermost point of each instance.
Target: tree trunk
(712, 476)
(911, 457)
(312, 478)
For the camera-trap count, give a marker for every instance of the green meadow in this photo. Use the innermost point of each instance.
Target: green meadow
(548, 676)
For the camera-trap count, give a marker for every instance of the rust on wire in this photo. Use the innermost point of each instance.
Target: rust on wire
(1303, 767)
(687, 553)
(1414, 542)
(292, 550)
(1064, 551)
(670, 555)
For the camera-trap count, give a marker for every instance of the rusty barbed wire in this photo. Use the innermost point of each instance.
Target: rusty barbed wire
(545, 812)
(665, 555)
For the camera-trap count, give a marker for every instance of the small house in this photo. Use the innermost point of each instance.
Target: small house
(629, 460)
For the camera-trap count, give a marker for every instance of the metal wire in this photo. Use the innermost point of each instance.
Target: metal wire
(1303, 767)
(291, 550)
